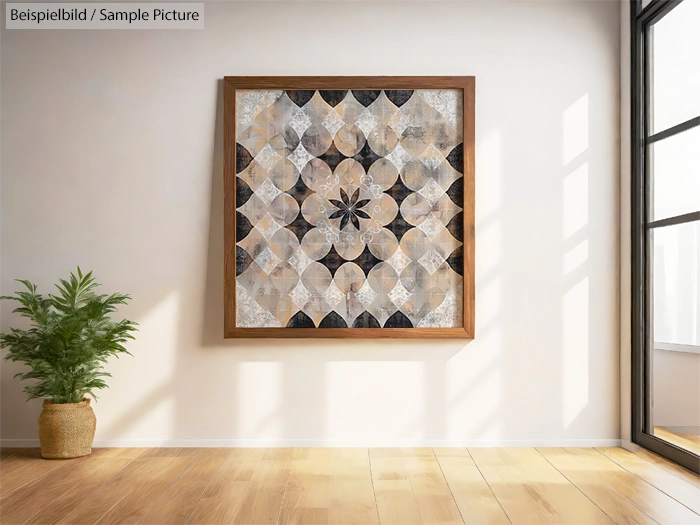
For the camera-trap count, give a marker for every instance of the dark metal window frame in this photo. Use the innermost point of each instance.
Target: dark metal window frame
(641, 20)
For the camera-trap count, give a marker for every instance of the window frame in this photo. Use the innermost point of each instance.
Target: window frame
(641, 20)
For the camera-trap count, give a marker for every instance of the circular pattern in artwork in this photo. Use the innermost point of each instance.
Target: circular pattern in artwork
(346, 206)
(349, 140)
(316, 140)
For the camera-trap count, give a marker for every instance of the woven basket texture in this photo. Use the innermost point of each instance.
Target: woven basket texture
(66, 430)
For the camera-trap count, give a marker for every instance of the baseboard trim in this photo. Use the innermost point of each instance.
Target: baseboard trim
(632, 447)
(325, 443)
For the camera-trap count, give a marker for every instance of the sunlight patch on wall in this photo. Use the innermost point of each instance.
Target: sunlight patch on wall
(575, 302)
(575, 351)
(260, 401)
(490, 303)
(475, 386)
(145, 380)
(375, 398)
(576, 257)
(488, 181)
(575, 201)
(575, 126)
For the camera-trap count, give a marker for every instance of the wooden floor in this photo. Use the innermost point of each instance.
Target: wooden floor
(347, 486)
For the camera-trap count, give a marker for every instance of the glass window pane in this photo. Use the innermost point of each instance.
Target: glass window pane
(674, 414)
(675, 41)
(676, 174)
(676, 284)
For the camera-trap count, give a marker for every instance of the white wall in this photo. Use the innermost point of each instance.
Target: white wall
(112, 159)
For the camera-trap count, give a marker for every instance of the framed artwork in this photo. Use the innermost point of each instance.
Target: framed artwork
(349, 207)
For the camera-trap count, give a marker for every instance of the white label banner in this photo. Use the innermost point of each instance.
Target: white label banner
(104, 16)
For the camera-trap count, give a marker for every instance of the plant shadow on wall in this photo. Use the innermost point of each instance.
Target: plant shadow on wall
(276, 390)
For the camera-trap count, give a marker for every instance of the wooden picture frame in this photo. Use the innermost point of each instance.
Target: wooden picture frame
(232, 84)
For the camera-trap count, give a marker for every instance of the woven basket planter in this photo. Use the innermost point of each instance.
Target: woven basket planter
(67, 430)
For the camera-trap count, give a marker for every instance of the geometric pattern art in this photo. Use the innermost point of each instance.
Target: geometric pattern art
(349, 208)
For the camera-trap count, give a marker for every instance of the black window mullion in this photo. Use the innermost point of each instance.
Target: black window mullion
(678, 219)
(674, 130)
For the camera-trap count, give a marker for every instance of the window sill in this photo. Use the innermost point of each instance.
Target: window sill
(670, 347)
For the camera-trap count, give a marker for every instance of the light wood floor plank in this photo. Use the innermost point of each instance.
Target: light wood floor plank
(180, 499)
(171, 452)
(266, 488)
(308, 494)
(24, 467)
(473, 496)
(668, 466)
(130, 493)
(6, 452)
(248, 488)
(531, 490)
(510, 486)
(678, 489)
(127, 452)
(433, 496)
(653, 502)
(568, 501)
(347, 486)
(352, 499)
(21, 504)
(30, 499)
(600, 489)
(222, 499)
(81, 492)
(396, 502)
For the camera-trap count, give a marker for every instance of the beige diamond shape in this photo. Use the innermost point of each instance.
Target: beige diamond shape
(268, 157)
(300, 295)
(399, 260)
(299, 261)
(300, 157)
(366, 295)
(300, 122)
(432, 191)
(333, 295)
(399, 295)
(431, 157)
(431, 226)
(366, 122)
(333, 122)
(267, 226)
(267, 260)
(431, 261)
(399, 157)
(267, 191)
(399, 121)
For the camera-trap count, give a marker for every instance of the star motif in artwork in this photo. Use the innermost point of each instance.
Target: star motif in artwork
(349, 209)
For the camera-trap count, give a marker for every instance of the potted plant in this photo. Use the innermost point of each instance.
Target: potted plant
(70, 339)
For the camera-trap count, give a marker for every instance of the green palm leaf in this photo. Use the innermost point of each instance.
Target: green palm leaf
(71, 337)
